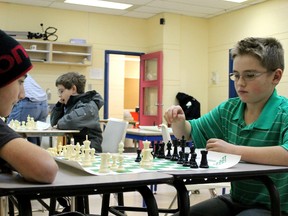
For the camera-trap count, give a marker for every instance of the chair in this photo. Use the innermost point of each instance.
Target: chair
(114, 132)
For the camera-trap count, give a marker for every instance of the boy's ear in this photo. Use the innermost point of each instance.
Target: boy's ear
(277, 76)
(74, 89)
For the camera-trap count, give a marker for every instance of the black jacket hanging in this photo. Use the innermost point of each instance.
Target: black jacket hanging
(189, 104)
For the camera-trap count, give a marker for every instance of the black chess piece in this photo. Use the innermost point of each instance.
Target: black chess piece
(183, 144)
(186, 161)
(175, 155)
(193, 163)
(161, 153)
(204, 161)
(156, 149)
(138, 158)
(181, 157)
(192, 149)
(169, 148)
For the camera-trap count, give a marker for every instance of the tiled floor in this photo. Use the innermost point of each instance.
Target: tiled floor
(164, 197)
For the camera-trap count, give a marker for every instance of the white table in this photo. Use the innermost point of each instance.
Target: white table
(49, 132)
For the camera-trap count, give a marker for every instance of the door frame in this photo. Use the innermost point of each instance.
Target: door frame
(106, 75)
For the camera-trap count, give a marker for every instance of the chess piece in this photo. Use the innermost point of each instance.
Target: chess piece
(175, 155)
(114, 164)
(161, 153)
(186, 162)
(86, 161)
(156, 149)
(181, 157)
(104, 165)
(193, 163)
(86, 143)
(147, 158)
(183, 144)
(121, 147)
(138, 158)
(204, 161)
(120, 165)
(169, 148)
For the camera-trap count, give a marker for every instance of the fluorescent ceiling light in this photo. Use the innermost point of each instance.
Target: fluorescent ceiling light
(236, 1)
(100, 3)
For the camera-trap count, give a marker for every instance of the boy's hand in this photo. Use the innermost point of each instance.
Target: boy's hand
(174, 114)
(219, 145)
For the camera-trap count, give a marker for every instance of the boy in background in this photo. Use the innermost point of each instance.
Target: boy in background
(77, 110)
(34, 104)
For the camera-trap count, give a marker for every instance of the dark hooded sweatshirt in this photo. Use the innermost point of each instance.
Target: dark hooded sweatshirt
(81, 113)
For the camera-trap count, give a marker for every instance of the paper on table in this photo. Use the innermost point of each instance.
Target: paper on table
(218, 160)
(42, 125)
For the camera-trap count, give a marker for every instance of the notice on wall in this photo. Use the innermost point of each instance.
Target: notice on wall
(96, 73)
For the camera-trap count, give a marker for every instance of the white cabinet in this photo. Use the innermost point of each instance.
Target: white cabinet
(58, 53)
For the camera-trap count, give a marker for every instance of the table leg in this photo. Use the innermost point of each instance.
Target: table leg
(82, 204)
(182, 197)
(105, 204)
(274, 195)
(24, 206)
(150, 201)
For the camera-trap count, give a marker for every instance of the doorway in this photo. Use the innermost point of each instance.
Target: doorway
(121, 83)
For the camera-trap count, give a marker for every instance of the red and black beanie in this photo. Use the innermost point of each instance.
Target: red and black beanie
(14, 61)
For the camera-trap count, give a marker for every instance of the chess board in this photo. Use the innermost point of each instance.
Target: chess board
(215, 161)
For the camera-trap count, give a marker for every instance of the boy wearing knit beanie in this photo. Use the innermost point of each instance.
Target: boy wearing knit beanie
(31, 161)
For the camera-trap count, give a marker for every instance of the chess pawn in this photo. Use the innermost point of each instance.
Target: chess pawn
(104, 165)
(69, 152)
(121, 147)
(120, 165)
(23, 125)
(161, 150)
(186, 162)
(92, 152)
(77, 152)
(181, 157)
(87, 158)
(138, 158)
(114, 162)
(193, 163)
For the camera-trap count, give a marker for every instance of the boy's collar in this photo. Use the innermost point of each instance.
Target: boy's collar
(267, 115)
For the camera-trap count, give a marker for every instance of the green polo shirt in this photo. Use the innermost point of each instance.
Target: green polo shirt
(270, 129)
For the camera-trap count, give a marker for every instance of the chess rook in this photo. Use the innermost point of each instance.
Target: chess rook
(204, 161)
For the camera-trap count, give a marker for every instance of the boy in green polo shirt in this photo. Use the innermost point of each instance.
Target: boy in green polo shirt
(253, 125)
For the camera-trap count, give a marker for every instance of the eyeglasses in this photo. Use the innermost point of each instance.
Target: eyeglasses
(247, 76)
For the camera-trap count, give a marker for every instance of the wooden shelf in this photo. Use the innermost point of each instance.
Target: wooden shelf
(58, 53)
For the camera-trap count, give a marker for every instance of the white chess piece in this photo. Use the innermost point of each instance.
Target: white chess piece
(147, 158)
(121, 147)
(114, 162)
(104, 165)
(120, 165)
(87, 158)
(86, 143)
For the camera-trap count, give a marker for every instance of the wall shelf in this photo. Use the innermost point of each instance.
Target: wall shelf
(58, 53)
